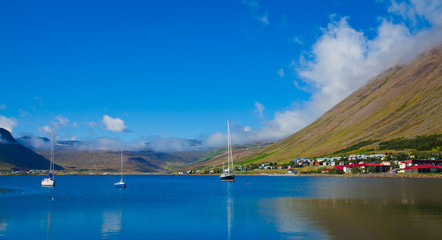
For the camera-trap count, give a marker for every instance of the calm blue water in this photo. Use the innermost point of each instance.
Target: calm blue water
(202, 207)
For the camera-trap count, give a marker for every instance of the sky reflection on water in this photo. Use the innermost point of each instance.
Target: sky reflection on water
(202, 207)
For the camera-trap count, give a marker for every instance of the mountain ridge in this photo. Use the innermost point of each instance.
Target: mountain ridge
(15, 156)
(404, 101)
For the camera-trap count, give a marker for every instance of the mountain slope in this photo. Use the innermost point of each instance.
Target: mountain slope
(109, 161)
(218, 156)
(75, 156)
(401, 102)
(14, 156)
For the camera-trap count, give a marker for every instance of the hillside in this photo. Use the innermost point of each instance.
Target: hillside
(404, 102)
(218, 156)
(73, 156)
(14, 156)
(109, 161)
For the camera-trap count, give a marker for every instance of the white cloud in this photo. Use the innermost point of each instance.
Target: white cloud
(257, 12)
(23, 113)
(114, 124)
(342, 60)
(106, 144)
(156, 143)
(46, 129)
(38, 142)
(264, 19)
(280, 72)
(2, 106)
(62, 120)
(92, 124)
(7, 123)
(296, 40)
(216, 140)
(259, 109)
(412, 10)
(54, 125)
(40, 103)
(172, 144)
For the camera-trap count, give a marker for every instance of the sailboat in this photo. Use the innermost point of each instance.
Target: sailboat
(228, 174)
(50, 180)
(121, 183)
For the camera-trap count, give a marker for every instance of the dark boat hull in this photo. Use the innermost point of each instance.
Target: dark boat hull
(227, 178)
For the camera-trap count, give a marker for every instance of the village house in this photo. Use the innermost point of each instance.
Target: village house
(420, 166)
(347, 168)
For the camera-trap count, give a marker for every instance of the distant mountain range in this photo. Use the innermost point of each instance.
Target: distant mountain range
(15, 156)
(75, 156)
(134, 161)
(30, 152)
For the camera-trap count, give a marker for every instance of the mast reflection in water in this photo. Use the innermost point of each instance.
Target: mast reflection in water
(201, 207)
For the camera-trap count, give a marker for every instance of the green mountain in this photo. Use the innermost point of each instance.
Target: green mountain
(218, 156)
(403, 102)
(32, 153)
(109, 161)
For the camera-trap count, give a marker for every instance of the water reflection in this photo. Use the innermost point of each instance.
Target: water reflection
(229, 210)
(368, 218)
(3, 226)
(289, 221)
(379, 188)
(364, 209)
(111, 224)
(48, 225)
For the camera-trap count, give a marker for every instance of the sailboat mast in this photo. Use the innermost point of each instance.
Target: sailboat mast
(51, 166)
(121, 164)
(229, 148)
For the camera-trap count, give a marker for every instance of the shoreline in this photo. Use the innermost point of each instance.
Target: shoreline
(374, 175)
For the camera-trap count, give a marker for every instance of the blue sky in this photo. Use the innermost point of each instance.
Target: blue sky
(135, 71)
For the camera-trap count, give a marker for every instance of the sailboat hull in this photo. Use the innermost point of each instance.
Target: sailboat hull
(227, 178)
(48, 182)
(120, 185)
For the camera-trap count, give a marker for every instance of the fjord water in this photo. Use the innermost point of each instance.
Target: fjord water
(202, 207)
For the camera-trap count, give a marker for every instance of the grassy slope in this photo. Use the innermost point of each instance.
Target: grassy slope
(402, 102)
(139, 161)
(218, 156)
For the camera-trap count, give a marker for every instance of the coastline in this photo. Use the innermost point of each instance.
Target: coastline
(375, 175)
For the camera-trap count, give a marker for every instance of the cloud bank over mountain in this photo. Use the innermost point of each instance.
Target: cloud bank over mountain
(7, 123)
(343, 59)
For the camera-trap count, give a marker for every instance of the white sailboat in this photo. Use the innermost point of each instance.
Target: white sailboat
(121, 183)
(228, 174)
(50, 180)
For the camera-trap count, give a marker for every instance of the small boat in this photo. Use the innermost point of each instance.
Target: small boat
(49, 181)
(228, 174)
(121, 183)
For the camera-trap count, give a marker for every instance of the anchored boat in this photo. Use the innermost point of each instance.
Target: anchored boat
(49, 181)
(228, 174)
(121, 183)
